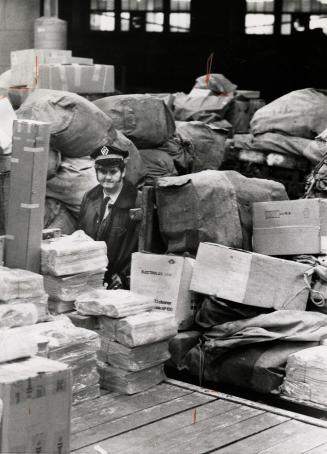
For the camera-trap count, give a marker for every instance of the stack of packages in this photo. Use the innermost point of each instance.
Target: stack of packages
(297, 229)
(166, 279)
(167, 148)
(23, 294)
(71, 265)
(77, 347)
(282, 132)
(58, 70)
(209, 100)
(206, 206)
(253, 317)
(25, 303)
(253, 314)
(216, 106)
(211, 206)
(305, 379)
(290, 123)
(36, 383)
(134, 338)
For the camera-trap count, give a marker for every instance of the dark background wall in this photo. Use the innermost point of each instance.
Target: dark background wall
(170, 62)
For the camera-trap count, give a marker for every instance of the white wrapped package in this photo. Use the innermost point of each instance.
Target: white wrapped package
(68, 288)
(15, 345)
(65, 341)
(108, 327)
(306, 375)
(134, 359)
(73, 254)
(17, 315)
(60, 340)
(113, 303)
(16, 283)
(145, 328)
(40, 303)
(60, 307)
(127, 382)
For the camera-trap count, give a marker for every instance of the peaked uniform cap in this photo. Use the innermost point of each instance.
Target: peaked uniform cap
(108, 154)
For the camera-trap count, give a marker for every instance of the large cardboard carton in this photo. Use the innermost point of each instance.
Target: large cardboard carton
(249, 278)
(28, 178)
(167, 279)
(36, 396)
(290, 227)
(25, 63)
(77, 78)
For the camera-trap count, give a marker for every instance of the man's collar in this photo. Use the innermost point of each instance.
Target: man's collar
(114, 196)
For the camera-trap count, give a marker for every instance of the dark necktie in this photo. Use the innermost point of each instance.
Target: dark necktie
(103, 207)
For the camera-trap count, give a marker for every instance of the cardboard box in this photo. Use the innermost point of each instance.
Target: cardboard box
(24, 63)
(29, 165)
(249, 278)
(290, 227)
(167, 279)
(36, 396)
(81, 60)
(77, 78)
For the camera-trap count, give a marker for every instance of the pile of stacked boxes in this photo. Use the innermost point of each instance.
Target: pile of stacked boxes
(134, 338)
(206, 214)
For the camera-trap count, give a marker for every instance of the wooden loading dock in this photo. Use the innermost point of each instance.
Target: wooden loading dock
(176, 417)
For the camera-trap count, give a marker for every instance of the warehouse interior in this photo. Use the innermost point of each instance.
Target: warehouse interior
(163, 226)
(284, 55)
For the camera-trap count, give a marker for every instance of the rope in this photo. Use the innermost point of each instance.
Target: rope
(201, 362)
(209, 66)
(316, 297)
(314, 175)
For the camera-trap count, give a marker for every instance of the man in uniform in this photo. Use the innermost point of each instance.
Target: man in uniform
(104, 213)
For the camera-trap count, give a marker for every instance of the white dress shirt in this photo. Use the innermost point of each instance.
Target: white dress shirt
(111, 201)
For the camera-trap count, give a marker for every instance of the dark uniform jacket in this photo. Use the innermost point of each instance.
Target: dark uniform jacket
(117, 229)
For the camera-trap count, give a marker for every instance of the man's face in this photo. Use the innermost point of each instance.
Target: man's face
(110, 178)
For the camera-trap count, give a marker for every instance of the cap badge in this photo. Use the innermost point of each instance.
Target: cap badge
(104, 151)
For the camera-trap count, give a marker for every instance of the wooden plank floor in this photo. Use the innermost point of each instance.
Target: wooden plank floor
(176, 418)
